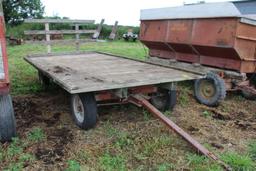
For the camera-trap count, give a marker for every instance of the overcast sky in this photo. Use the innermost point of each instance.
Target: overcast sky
(127, 12)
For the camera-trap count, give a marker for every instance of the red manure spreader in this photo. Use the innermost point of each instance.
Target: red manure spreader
(217, 40)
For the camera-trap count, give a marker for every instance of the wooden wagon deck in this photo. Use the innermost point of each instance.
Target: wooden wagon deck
(94, 71)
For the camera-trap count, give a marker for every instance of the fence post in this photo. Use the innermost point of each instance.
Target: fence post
(77, 37)
(48, 38)
(112, 36)
(97, 33)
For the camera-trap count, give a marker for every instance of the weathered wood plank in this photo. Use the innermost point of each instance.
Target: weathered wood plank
(59, 21)
(63, 42)
(78, 37)
(96, 72)
(41, 32)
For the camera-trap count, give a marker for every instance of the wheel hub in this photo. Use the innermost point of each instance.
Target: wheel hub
(78, 108)
(207, 89)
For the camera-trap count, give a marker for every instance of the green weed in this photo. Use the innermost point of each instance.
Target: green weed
(252, 150)
(168, 113)
(156, 143)
(15, 152)
(146, 115)
(123, 140)
(195, 159)
(15, 148)
(18, 166)
(238, 162)
(207, 114)
(36, 135)
(109, 162)
(201, 163)
(184, 97)
(166, 167)
(73, 166)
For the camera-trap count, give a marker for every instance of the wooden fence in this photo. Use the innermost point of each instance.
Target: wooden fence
(77, 32)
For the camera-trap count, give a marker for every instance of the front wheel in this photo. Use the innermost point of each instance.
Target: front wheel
(210, 90)
(84, 110)
(164, 100)
(7, 119)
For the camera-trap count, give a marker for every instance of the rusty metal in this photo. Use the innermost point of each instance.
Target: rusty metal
(109, 95)
(142, 102)
(247, 88)
(4, 81)
(221, 41)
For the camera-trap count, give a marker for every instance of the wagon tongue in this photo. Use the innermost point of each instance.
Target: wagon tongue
(142, 102)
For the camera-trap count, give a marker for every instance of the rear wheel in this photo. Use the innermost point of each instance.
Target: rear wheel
(7, 119)
(164, 99)
(84, 110)
(248, 95)
(44, 80)
(210, 90)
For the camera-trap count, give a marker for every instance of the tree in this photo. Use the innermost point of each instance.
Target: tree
(15, 11)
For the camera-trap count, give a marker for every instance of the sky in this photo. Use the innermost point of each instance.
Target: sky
(127, 12)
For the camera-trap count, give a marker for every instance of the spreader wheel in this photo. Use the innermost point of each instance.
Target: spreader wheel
(84, 110)
(44, 80)
(164, 99)
(7, 119)
(210, 90)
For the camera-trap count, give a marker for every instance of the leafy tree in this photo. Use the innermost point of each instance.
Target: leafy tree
(15, 11)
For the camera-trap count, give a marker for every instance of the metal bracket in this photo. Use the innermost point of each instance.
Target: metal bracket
(121, 93)
(168, 86)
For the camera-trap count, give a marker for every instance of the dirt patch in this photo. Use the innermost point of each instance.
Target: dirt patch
(58, 69)
(54, 151)
(31, 110)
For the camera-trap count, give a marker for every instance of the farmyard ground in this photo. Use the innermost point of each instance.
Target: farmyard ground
(126, 137)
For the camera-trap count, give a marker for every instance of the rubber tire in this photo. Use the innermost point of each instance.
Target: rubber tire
(90, 107)
(219, 85)
(44, 80)
(249, 95)
(7, 119)
(169, 101)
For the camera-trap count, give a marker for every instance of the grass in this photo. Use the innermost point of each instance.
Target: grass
(36, 135)
(207, 114)
(110, 162)
(201, 163)
(239, 162)
(14, 156)
(73, 166)
(184, 89)
(252, 150)
(165, 167)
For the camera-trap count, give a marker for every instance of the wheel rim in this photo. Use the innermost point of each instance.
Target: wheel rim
(78, 108)
(207, 89)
